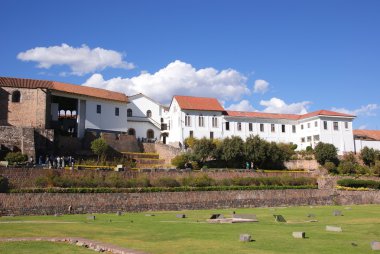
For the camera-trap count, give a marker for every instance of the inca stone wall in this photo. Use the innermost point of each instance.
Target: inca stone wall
(166, 152)
(51, 203)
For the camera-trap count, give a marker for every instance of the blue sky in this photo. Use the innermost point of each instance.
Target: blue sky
(274, 56)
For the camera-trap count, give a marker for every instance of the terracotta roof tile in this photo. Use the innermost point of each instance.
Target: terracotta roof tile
(63, 87)
(198, 103)
(286, 116)
(367, 134)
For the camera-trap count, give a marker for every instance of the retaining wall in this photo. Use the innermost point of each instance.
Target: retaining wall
(51, 203)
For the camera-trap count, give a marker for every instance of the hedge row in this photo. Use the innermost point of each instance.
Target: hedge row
(157, 189)
(355, 183)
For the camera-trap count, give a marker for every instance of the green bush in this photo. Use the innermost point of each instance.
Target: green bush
(4, 184)
(326, 152)
(369, 156)
(331, 167)
(355, 183)
(203, 149)
(346, 167)
(16, 157)
(100, 148)
(376, 168)
(180, 160)
(232, 151)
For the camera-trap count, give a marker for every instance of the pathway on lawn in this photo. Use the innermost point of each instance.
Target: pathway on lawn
(83, 242)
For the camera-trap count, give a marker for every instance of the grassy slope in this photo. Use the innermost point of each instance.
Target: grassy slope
(164, 233)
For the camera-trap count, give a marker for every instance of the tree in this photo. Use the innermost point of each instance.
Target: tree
(232, 151)
(203, 149)
(255, 150)
(326, 152)
(181, 160)
(15, 157)
(368, 156)
(100, 148)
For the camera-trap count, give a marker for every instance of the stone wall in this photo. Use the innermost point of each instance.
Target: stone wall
(31, 111)
(51, 203)
(121, 142)
(302, 164)
(166, 152)
(27, 140)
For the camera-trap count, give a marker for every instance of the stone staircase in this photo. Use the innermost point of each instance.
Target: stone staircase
(146, 160)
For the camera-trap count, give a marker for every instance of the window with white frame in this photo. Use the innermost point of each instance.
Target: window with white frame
(293, 128)
(316, 124)
(239, 126)
(346, 125)
(325, 125)
(250, 127)
(308, 125)
(303, 140)
(316, 137)
(214, 122)
(227, 126)
(261, 127)
(301, 126)
(309, 139)
(187, 121)
(283, 128)
(201, 121)
(336, 126)
(272, 127)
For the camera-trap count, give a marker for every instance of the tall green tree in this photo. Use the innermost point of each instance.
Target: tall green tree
(100, 148)
(203, 149)
(232, 151)
(324, 152)
(256, 150)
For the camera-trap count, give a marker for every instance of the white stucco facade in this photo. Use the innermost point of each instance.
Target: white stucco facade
(360, 144)
(304, 132)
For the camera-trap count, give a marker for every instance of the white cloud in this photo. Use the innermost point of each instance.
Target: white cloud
(261, 86)
(367, 110)
(243, 105)
(362, 127)
(80, 60)
(178, 78)
(276, 105)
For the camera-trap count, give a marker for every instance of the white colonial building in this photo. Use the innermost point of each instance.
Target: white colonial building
(366, 138)
(204, 117)
(145, 118)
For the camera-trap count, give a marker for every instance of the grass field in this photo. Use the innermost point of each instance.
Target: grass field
(164, 233)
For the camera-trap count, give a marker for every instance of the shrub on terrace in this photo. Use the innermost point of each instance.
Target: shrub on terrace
(326, 152)
(15, 157)
(369, 156)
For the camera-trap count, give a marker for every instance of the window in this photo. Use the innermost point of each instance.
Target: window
(98, 109)
(308, 125)
(117, 112)
(187, 120)
(283, 128)
(227, 126)
(214, 122)
(150, 134)
(336, 126)
(303, 140)
(346, 125)
(129, 112)
(325, 125)
(131, 132)
(16, 96)
(309, 139)
(201, 121)
(272, 128)
(211, 135)
(239, 126)
(250, 127)
(191, 134)
(262, 127)
(301, 126)
(148, 113)
(316, 124)
(316, 137)
(293, 128)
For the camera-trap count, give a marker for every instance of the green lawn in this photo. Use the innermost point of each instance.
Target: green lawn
(164, 233)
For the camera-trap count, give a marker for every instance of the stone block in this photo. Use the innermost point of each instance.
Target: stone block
(181, 216)
(118, 214)
(216, 216)
(279, 218)
(333, 229)
(375, 245)
(91, 217)
(337, 213)
(298, 234)
(245, 238)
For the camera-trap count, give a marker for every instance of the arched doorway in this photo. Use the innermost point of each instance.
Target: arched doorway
(149, 113)
(131, 132)
(16, 96)
(150, 134)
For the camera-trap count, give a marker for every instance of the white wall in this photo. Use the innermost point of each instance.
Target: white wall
(141, 104)
(141, 129)
(360, 144)
(106, 120)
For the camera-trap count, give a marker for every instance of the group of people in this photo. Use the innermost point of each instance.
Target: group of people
(56, 162)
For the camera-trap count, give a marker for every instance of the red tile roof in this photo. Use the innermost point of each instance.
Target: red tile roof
(198, 103)
(63, 87)
(367, 134)
(286, 116)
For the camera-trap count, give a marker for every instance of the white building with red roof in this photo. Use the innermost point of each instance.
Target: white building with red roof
(205, 117)
(366, 138)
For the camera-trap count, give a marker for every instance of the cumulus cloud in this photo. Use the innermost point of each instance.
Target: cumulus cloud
(367, 110)
(243, 105)
(260, 86)
(178, 78)
(80, 60)
(276, 105)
